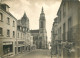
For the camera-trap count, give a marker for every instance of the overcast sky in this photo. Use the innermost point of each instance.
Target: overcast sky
(33, 10)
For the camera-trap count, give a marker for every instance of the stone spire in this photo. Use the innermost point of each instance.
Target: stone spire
(42, 10)
(42, 15)
(24, 14)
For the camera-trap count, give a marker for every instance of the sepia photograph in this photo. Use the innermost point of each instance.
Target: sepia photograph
(39, 28)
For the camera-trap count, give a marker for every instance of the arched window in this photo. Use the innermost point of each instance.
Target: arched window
(1, 16)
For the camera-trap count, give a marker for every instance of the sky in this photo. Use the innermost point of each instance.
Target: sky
(33, 10)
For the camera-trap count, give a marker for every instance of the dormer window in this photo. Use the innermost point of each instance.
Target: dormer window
(5, 7)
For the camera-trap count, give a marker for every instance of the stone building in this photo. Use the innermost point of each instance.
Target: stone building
(8, 28)
(15, 36)
(54, 37)
(40, 36)
(35, 34)
(24, 38)
(68, 28)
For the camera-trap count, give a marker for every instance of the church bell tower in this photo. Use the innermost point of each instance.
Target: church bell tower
(42, 30)
(42, 22)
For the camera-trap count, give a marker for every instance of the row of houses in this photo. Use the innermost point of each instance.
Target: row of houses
(15, 36)
(65, 32)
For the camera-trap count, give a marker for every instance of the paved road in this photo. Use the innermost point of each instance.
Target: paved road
(35, 54)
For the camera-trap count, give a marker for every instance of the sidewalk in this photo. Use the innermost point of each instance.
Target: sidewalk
(20, 54)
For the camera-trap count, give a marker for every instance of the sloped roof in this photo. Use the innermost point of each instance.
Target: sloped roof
(6, 11)
(34, 31)
(25, 17)
(19, 22)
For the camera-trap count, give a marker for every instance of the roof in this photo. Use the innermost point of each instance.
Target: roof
(6, 11)
(19, 22)
(25, 17)
(65, 1)
(34, 31)
(5, 4)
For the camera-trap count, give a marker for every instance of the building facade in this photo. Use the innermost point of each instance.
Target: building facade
(54, 37)
(35, 34)
(40, 36)
(24, 39)
(15, 36)
(8, 28)
(68, 27)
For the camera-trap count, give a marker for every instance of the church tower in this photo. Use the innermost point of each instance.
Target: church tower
(42, 31)
(25, 21)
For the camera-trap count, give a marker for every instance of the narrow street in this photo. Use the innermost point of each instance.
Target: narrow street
(39, 53)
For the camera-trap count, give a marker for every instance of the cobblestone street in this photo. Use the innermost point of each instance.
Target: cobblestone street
(35, 54)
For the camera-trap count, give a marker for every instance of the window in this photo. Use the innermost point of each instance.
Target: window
(13, 23)
(70, 37)
(64, 9)
(8, 33)
(41, 24)
(21, 35)
(7, 49)
(60, 16)
(8, 21)
(69, 4)
(1, 17)
(69, 23)
(20, 28)
(59, 33)
(64, 30)
(13, 33)
(23, 29)
(18, 35)
(1, 31)
(27, 29)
